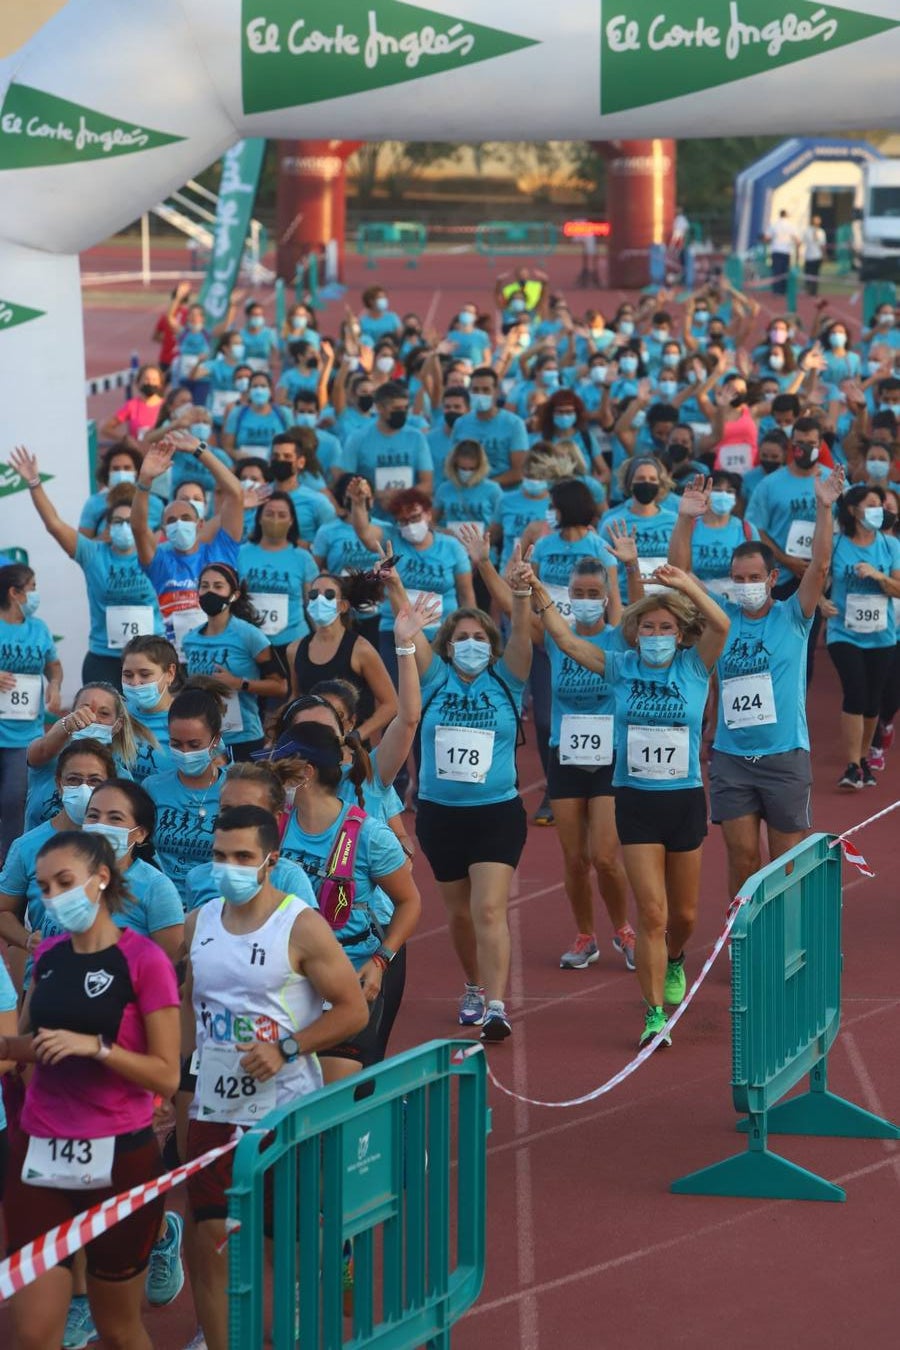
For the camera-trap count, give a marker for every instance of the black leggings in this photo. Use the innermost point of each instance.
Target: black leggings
(863, 673)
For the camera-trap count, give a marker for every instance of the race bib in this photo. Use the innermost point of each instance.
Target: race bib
(560, 597)
(646, 567)
(222, 400)
(124, 622)
(749, 701)
(736, 458)
(272, 610)
(182, 621)
(462, 754)
(586, 740)
(257, 363)
(866, 613)
(431, 597)
(799, 540)
(23, 703)
(455, 527)
(721, 587)
(658, 754)
(393, 477)
(226, 1093)
(253, 452)
(233, 717)
(69, 1164)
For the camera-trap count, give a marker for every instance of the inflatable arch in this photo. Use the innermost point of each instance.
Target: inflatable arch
(108, 105)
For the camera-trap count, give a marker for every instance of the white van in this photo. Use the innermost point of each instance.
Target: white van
(880, 245)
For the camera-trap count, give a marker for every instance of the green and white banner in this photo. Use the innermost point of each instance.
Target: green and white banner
(237, 192)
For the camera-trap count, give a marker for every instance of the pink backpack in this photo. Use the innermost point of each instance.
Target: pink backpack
(337, 890)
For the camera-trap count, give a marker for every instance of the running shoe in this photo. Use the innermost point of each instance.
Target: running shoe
(675, 984)
(851, 780)
(496, 1024)
(471, 1007)
(654, 1023)
(544, 814)
(624, 943)
(876, 759)
(165, 1273)
(80, 1330)
(887, 735)
(583, 953)
(868, 777)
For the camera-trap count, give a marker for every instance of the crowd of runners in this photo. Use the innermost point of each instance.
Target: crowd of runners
(336, 573)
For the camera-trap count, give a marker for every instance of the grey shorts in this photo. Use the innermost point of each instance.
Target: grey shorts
(775, 787)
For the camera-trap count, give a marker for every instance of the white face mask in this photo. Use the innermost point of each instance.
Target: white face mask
(750, 595)
(415, 530)
(385, 364)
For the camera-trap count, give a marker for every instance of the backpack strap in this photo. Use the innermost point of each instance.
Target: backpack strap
(337, 890)
(748, 531)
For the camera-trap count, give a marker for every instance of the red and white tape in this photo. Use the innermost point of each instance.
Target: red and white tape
(45, 1252)
(850, 851)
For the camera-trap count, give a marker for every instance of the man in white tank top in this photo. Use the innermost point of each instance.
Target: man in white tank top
(262, 965)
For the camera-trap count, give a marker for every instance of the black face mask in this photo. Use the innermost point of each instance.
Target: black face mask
(396, 419)
(890, 520)
(148, 389)
(451, 418)
(679, 454)
(212, 604)
(282, 470)
(805, 456)
(645, 493)
(769, 465)
(365, 402)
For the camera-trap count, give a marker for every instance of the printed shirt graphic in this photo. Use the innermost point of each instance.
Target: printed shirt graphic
(183, 836)
(576, 690)
(25, 649)
(175, 575)
(112, 579)
(483, 706)
(776, 645)
(884, 555)
(674, 696)
(555, 556)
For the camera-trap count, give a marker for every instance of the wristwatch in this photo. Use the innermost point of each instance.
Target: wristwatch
(289, 1048)
(245, 686)
(104, 1048)
(385, 953)
(198, 453)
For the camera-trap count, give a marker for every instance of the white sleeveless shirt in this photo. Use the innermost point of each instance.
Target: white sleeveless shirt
(245, 990)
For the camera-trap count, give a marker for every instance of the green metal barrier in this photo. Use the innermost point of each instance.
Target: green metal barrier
(504, 238)
(369, 1162)
(785, 1015)
(391, 239)
(876, 294)
(93, 451)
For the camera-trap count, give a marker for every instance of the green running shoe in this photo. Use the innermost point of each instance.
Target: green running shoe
(675, 985)
(654, 1023)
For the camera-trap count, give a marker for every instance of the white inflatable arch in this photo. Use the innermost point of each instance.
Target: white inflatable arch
(108, 105)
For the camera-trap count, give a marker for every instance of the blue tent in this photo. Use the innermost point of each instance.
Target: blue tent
(754, 187)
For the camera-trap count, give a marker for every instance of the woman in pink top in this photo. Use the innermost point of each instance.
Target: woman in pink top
(101, 1025)
(136, 417)
(734, 430)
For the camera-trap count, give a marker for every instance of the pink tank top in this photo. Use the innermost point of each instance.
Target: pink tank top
(737, 450)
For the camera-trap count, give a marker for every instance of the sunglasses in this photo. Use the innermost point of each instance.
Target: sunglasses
(328, 592)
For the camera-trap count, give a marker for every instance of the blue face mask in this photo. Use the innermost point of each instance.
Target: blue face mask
(117, 835)
(701, 317)
(31, 604)
(837, 340)
(182, 534)
(625, 327)
(305, 419)
(192, 762)
(256, 322)
(722, 502)
(259, 395)
(381, 303)
(658, 650)
(660, 334)
(322, 611)
(873, 517)
(238, 885)
(141, 697)
(465, 475)
(598, 374)
(465, 319)
(118, 476)
(73, 910)
(588, 611)
(243, 384)
(877, 468)
(550, 378)
(239, 351)
(299, 322)
(482, 403)
(888, 407)
(670, 360)
(667, 388)
(121, 536)
(471, 655)
(200, 429)
(563, 421)
(75, 801)
(534, 487)
(628, 365)
(97, 731)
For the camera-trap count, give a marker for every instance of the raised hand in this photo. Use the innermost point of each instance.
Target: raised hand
(674, 577)
(25, 464)
(182, 441)
(157, 459)
(359, 491)
(830, 490)
(412, 619)
(621, 541)
(476, 541)
(695, 498)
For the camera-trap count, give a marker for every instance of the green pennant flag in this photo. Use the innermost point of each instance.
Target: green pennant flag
(241, 166)
(292, 54)
(38, 129)
(11, 315)
(11, 482)
(650, 52)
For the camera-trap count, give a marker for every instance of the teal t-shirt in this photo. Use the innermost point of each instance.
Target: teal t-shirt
(185, 823)
(389, 461)
(783, 506)
(235, 650)
(116, 586)
(476, 503)
(380, 800)
(712, 547)
(576, 691)
(515, 511)
(154, 902)
(339, 549)
(313, 509)
(276, 580)
(501, 436)
(25, 649)
(254, 431)
(378, 853)
(153, 758)
(433, 569)
(652, 537)
(762, 682)
(469, 734)
(659, 716)
(865, 614)
(18, 878)
(554, 557)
